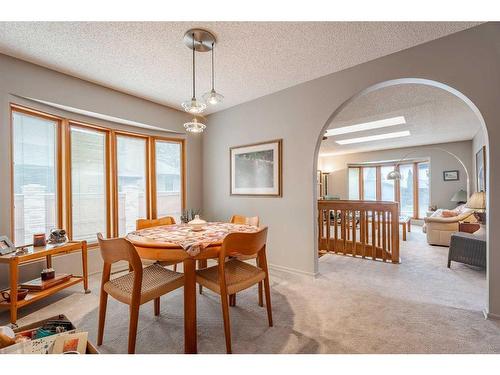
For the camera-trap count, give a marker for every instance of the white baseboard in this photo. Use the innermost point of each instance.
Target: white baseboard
(292, 270)
(488, 315)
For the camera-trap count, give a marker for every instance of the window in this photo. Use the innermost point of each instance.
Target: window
(131, 181)
(168, 155)
(369, 183)
(354, 183)
(387, 188)
(411, 191)
(88, 183)
(35, 176)
(49, 153)
(423, 189)
(406, 190)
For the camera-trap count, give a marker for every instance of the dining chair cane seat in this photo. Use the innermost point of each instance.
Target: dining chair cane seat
(239, 276)
(156, 281)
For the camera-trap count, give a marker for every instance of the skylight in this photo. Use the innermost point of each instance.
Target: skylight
(377, 137)
(393, 121)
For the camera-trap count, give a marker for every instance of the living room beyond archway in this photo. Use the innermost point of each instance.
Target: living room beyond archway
(401, 179)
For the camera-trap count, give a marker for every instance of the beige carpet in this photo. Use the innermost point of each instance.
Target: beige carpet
(354, 306)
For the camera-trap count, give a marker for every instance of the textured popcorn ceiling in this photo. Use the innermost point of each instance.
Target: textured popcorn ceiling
(432, 115)
(253, 59)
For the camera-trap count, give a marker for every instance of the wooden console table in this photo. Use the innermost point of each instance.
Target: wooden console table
(33, 254)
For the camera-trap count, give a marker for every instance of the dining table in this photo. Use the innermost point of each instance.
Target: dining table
(183, 243)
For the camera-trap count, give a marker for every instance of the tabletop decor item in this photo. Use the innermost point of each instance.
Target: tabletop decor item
(197, 224)
(188, 215)
(256, 169)
(39, 239)
(47, 274)
(57, 236)
(6, 245)
(21, 294)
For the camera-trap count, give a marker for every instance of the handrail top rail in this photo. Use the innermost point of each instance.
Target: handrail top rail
(358, 205)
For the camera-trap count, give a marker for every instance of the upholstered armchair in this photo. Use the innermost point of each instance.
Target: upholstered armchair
(439, 228)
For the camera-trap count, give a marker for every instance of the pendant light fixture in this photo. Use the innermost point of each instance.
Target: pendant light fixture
(213, 97)
(198, 40)
(193, 106)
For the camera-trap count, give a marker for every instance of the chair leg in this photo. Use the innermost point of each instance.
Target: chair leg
(132, 330)
(268, 301)
(175, 267)
(261, 297)
(157, 306)
(202, 263)
(102, 316)
(232, 299)
(227, 323)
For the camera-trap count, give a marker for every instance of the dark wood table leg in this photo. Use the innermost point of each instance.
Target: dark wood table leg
(85, 268)
(190, 334)
(404, 231)
(409, 226)
(14, 270)
(49, 261)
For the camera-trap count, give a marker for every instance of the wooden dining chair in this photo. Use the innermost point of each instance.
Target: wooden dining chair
(246, 220)
(135, 288)
(148, 223)
(227, 278)
(251, 220)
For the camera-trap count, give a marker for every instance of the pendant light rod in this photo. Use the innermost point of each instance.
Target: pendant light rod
(213, 65)
(194, 71)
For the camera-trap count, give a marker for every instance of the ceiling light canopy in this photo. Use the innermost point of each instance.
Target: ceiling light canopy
(393, 121)
(199, 40)
(376, 137)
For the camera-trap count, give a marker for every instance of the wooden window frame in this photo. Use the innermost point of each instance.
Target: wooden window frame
(69, 124)
(182, 143)
(58, 161)
(397, 184)
(63, 169)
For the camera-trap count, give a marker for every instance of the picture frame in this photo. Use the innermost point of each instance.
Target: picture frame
(257, 169)
(452, 175)
(481, 169)
(6, 245)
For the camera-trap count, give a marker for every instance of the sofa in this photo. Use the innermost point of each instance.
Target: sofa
(443, 223)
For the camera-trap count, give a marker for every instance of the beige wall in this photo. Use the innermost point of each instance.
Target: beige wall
(441, 191)
(467, 61)
(20, 78)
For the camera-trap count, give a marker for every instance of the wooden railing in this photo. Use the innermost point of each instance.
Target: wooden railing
(367, 229)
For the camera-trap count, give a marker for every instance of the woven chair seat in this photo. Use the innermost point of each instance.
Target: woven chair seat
(156, 281)
(239, 276)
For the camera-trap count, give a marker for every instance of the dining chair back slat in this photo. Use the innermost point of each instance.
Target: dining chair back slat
(148, 223)
(238, 219)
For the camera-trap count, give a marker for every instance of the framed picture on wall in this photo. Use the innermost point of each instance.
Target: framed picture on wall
(481, 169)
(450, 175)
(256, 169)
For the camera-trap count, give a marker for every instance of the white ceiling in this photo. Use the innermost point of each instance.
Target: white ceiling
(253, 59)
(432, 115)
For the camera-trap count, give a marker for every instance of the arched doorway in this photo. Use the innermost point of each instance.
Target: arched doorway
(394, 83)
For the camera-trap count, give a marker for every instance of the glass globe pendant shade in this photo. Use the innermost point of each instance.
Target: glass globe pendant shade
(394, 175)
(213, 98)
(193, 106)
(194, 126)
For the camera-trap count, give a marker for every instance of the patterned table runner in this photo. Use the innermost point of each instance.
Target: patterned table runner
(192, 241)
